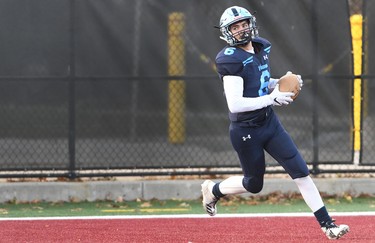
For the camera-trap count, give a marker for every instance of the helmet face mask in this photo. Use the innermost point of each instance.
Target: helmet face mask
(234, 15)
(243, 36)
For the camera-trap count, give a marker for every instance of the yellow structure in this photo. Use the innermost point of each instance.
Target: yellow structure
(356, 22)
(176, 88)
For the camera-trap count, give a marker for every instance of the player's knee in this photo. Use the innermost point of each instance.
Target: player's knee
(253, 184)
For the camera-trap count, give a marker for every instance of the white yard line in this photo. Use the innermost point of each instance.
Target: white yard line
(191, 216)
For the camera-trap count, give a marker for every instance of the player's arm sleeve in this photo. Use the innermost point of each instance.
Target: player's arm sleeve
(233, 88)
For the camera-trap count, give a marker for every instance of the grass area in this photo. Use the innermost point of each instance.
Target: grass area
(270, 204)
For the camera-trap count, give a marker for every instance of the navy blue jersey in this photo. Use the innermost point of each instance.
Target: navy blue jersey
(253, 68)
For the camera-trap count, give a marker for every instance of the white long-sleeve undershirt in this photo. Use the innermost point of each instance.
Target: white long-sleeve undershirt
(233, 88)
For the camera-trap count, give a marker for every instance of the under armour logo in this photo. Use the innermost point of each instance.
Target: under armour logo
(265, 57)
(246, 138)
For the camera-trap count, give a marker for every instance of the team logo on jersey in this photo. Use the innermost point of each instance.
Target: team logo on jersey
(267, 50)
(246, 138)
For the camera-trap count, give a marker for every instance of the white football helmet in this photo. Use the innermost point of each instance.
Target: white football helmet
(232, 15)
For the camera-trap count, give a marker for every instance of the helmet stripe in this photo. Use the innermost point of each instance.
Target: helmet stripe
(235, 12)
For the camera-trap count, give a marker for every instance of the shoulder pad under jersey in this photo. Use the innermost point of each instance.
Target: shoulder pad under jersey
(228, 61)
(266, 45)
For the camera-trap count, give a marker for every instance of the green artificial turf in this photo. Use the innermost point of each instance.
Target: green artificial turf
(271, 204)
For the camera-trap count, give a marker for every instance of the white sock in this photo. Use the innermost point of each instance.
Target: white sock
(309, 193)
(232, 185)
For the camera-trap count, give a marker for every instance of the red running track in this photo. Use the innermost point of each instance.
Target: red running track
(195, 230)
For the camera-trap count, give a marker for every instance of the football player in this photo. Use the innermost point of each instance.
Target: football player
(244, 68)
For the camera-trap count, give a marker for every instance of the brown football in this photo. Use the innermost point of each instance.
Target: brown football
(289, 83)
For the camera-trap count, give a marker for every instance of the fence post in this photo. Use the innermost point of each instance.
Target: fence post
(176, 88)
(72, 103)
(315, 130)
(356, 22)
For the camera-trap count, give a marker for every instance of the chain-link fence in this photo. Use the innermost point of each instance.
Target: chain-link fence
(121, 87)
